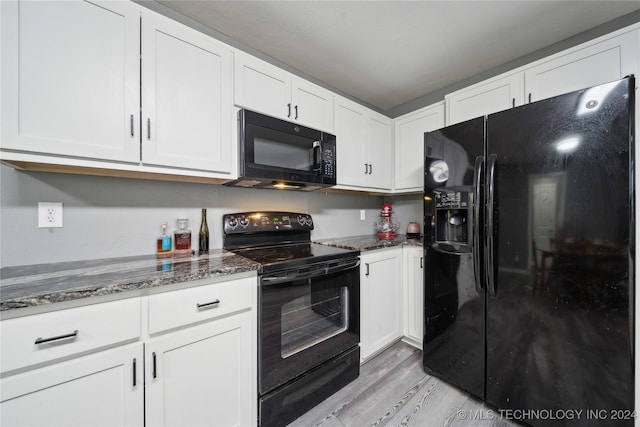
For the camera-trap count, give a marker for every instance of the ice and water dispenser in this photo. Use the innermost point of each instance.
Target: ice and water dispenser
(452, 209)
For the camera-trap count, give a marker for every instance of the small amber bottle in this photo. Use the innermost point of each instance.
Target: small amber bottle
(163, 248)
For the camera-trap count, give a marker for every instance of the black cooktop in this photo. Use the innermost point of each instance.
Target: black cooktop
(276, 257)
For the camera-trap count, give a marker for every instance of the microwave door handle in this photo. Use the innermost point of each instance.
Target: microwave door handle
(317, 160)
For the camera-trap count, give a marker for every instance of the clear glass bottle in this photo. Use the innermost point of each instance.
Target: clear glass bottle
(182, 237)
(163, 247)
(203, 235)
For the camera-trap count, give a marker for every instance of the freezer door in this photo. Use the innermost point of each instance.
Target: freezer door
(559, 318)
(454, 300)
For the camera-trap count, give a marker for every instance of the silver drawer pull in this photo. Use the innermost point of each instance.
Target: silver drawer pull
(208, 304)
(59, 337)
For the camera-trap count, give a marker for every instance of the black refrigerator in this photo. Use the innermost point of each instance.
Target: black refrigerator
(529, 250)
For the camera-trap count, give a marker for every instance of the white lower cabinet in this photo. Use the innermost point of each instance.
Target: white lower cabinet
(413, 294)
(380, 300)
(202, 375)
(193, 361)
(102, 389)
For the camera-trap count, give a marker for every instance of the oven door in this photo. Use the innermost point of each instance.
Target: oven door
(306, 317)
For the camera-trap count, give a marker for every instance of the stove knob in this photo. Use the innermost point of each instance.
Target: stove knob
(233, 222)
(309, 221)
(301, 220)
(244, 221)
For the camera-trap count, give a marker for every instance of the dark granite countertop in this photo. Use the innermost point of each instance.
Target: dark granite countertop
(41, 284)
(369, 242)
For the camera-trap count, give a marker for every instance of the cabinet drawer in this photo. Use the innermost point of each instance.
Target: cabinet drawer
(171, 310)
(41, 338)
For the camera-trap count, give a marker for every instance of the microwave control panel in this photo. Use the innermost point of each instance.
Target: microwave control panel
(328, 163)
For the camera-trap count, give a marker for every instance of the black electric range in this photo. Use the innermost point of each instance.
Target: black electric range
(308, 311)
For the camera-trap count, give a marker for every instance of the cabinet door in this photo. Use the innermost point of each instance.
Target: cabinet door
(203, 375)
(414, 294)
(312, 105)
(70, 78)
(262, 87)
(350, 122)
(103, 389)
(603, 62)
(187, 105)
(380, 300)
(486, 98)
(409, 146)
(378, 149)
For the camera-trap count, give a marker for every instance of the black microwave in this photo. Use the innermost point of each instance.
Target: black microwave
(278, 154)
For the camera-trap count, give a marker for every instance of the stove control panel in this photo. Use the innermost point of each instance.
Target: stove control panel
(256, 222)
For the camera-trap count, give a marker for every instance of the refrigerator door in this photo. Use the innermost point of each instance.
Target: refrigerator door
(454, 300)
(559, 311)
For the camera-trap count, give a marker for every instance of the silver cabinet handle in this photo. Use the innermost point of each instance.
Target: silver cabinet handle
(421, 262)
(296, 109)
(529, 97)
(370, 169)
(366, 264)
(131, 125)
(59, 337)
(289, 110)
(365, 168)
(513, 102)
(148, 128)
(208, 304)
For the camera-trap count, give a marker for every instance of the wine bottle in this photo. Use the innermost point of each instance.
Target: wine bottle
(204, 234)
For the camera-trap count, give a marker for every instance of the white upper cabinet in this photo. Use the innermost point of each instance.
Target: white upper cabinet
(112, 85)
(267, 89)
(70, 79)
(409, 146)
(485, 98)
(187, 118)
(312, 105)
(364, 142)
(608, 60)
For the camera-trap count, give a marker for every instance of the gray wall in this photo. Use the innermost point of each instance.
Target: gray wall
(112, 217)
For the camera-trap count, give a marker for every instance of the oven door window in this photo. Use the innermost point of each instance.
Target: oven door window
(313, 318)
(277, 149)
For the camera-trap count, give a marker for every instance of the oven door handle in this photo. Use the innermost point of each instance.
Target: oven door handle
(307, 273)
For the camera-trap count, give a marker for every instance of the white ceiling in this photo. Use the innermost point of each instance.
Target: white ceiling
(386, 53)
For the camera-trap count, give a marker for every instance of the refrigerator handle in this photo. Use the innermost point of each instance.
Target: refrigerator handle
(477, 204)
(489, 250)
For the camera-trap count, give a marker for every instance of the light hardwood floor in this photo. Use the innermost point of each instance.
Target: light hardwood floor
(393, 390)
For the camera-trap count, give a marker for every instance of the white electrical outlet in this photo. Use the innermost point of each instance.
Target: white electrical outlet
(362, 215)
(49, 215)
